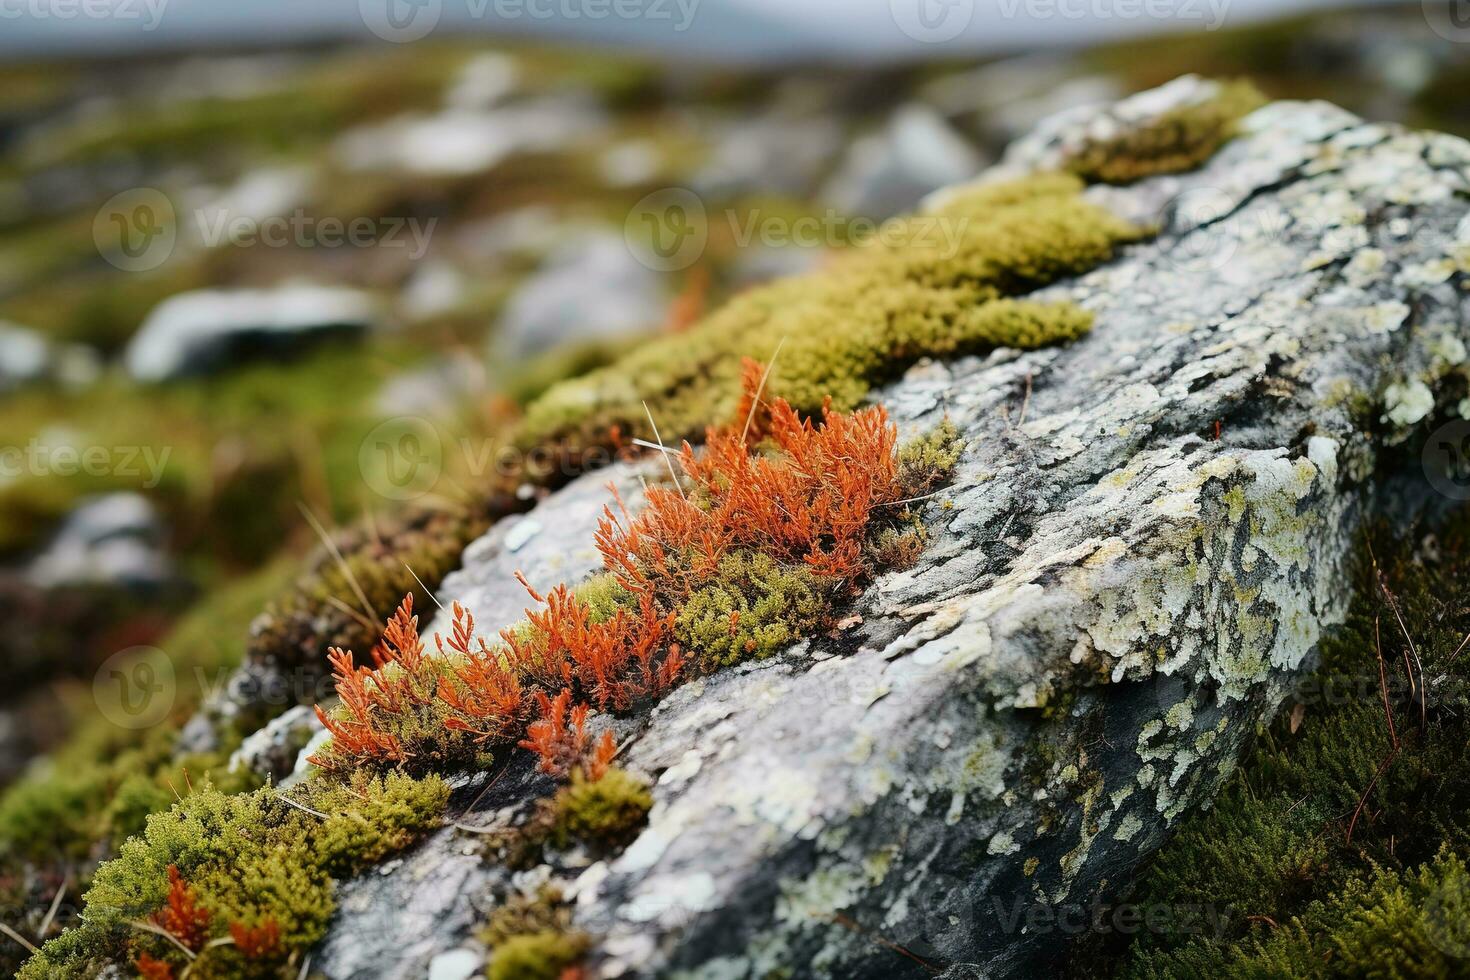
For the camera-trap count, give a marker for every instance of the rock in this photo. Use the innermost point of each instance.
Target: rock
(114, 540)
(1003, 100)
(590, 287)
(271, 752)
(438, 389)
(773, 154)
(461, 142)
(26, 357)
(1146, 538)
(207, 330)
(887, 172)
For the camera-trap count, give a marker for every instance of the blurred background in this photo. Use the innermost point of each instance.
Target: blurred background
(238, 241)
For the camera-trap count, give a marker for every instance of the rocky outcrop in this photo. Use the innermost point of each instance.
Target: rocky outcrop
(1145, 540)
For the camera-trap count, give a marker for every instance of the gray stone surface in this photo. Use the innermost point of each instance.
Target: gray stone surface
(193, 333)
(887, 172)
(590, 287)
(115, 539)
(1112, 600)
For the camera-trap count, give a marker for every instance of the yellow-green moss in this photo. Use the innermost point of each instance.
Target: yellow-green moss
(939, 284)
(1177, 141)
(602, 813)
(536, 956)
(929, 461)
(248, 857)
(532, 937)
(772, 606)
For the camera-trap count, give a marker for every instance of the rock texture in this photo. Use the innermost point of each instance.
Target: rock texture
(1146, 538)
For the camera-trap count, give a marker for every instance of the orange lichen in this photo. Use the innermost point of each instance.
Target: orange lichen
(256, 942)
(151, 969)
(776, 532)
(182, 916)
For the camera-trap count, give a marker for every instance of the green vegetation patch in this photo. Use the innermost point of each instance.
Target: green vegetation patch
(1177, 141)
(1337, 855)
(940, 284)
(249, 861)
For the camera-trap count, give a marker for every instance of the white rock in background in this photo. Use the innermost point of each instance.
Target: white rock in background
(25, 356)
(437, 389)
(590, 287)
(461, 142)
(257, 196)
(890, 171)
(436, 287)
(196, 332)
(484, 80)
(771, 154)
(114, 539)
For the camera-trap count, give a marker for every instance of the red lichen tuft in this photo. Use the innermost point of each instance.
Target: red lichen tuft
(256, 942)
(809, 502)
(182, 916)
(151, 969)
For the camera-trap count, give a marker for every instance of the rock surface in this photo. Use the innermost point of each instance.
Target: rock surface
(196, 332)
(1146, 538)
(589, 288)
(115, 539)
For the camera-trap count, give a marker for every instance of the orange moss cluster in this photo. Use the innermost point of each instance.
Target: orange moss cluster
(770, 495)
(185, 923)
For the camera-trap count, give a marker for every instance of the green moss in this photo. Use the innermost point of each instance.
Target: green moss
(1307, 899)
(602, 813)
(536, 956)
(939, 285)
(1177, 141)
(532, 937)
(929, 461)
(754, 607)
(249, 857)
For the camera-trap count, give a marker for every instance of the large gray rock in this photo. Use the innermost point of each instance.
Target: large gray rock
(887, 172)
(208, 330)
(590, 287)
(1112, 601)
(115, 539)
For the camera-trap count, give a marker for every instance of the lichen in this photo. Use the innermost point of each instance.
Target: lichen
(1178, 140)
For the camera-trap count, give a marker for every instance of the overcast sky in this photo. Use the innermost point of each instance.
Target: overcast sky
(738, 29)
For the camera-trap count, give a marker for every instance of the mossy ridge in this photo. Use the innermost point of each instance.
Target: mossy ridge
(1392, 901)
(1177, 141)
(251, 858)
(947, 287)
